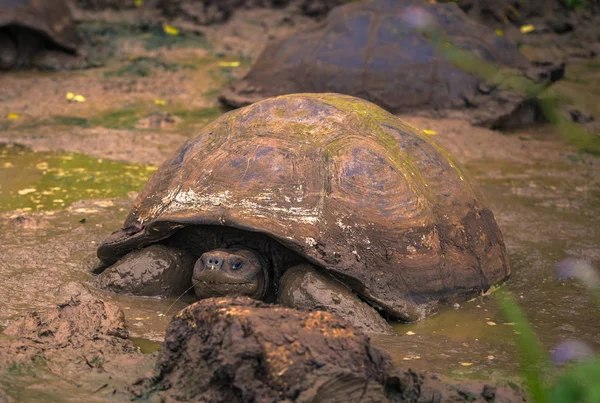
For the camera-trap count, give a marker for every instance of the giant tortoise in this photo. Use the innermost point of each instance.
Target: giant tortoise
(403, 55)
(28, 27)
(316, 201)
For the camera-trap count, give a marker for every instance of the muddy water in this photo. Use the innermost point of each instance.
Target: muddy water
(546, 211)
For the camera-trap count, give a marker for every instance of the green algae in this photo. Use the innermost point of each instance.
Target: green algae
(125, 118)
(145, 66)
(48, 181)
(104, 40)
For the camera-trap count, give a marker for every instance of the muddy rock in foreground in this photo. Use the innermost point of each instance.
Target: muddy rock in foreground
(242, 350)
(80, 347)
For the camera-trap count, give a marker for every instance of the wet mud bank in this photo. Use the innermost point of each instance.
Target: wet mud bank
(545, 195)
(78, 350)
(225, 349)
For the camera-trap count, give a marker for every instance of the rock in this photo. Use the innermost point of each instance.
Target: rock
(561, 25)
(239, 349)
(80, 320)
(157, 120)
(243, 350)
(82, 342)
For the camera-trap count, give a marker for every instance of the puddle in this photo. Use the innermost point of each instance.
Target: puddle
(546, 213)
(146, 346)
(32, 181)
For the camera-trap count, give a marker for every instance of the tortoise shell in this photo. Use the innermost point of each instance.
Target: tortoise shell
(50, 18)
(340, 181)
(381, 51)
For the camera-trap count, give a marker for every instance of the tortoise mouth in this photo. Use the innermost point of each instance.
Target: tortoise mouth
(213, 288)
(234, 283)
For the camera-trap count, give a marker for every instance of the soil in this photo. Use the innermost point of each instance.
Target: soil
(543, 191)
(242, 350)
(207, 12)
(81, 344)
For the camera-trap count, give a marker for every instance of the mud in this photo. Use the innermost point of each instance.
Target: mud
(226, 349)
(209, 12)
(544, 193)
(565, 33)
(81, 346)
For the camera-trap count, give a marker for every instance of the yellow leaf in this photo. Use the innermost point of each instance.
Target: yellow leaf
(525, 29)
(491, 323)
(490, 357)
(42, 166)
(466, 364)
(7, 165)
(75, 97)
(229, 64)
(138, 3)
(499, 32)
(410, 333)
(12, 116)
(160, 102)
(170, 30)
(26, 191)
(430, 132)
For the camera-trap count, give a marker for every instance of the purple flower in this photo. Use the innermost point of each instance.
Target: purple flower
(579, 269)
(571, 350)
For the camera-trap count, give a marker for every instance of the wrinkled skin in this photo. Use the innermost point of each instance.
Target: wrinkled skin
(230, 272)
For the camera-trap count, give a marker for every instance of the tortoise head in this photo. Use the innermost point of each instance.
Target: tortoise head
(231, 272)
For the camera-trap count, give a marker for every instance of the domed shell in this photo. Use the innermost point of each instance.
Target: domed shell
(383, 51)
(339, 180)
(50, 18)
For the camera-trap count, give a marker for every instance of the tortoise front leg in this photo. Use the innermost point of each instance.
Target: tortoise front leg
(156, 270)
(304, 287)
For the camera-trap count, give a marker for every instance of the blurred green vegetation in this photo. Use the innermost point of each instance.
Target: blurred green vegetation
(104, 40)
(579, 383)
(574, 4)
(549, 99)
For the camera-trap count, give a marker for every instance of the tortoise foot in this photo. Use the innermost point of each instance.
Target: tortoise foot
(304, 287)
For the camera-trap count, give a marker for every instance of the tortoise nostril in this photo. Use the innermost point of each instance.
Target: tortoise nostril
(213, 261)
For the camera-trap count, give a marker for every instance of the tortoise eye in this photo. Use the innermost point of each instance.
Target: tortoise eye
(236, 265)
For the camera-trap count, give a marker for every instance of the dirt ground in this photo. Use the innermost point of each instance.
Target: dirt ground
(149, 92)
